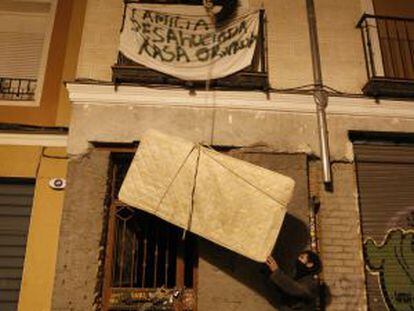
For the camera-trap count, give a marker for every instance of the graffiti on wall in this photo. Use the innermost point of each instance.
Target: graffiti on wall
(393, 262)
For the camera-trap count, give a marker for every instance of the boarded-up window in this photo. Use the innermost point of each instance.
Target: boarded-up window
(16, 198)
(386, 190)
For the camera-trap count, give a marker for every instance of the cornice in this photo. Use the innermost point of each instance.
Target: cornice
(107, 94)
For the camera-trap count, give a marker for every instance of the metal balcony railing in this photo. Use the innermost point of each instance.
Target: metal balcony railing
(254, 76)
(389, 55)
(17, 89)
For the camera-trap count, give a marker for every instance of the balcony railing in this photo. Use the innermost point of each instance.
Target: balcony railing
(389, 55)
(254, 76)
(17, 89)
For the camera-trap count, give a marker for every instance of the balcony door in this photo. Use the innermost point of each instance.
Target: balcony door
(396, 36)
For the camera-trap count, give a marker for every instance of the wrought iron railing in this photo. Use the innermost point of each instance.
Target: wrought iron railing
(254, 76)
(17, 88)
(388, 46)
(149, 265)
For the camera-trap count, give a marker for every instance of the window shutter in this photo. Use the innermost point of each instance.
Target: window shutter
(22, 37)
(15, 209)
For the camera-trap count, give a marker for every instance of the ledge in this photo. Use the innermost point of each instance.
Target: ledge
(46, 140)
(388, 87)
(108, 94)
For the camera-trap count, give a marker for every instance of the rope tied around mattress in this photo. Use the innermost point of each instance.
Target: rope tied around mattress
(190, 215)
(199, 148)
(241, 177)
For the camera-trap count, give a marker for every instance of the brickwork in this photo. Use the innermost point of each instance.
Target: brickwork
(340, 237)
(80, 233)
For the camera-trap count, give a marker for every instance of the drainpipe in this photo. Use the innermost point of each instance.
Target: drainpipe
(320, 96)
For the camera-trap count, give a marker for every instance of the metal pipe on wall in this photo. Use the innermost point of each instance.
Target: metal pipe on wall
(320, 95)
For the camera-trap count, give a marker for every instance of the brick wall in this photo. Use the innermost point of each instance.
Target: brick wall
(340, 237)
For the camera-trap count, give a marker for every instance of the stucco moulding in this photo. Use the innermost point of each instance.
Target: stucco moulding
(106, 94)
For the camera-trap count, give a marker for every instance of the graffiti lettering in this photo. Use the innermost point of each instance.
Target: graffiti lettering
(404, 298)
(393, 261)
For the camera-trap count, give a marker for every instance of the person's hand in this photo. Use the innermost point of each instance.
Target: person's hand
(271, 263)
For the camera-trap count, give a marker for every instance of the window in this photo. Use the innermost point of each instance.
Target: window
(387, 38)
(16, 198)
(148, 262)
(24, 38)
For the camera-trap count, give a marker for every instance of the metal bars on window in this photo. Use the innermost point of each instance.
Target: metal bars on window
(388, 46)
(17, 89)
(146, 257)
(145, 251)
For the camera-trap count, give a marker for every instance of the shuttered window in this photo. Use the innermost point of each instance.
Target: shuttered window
(23, 27)
(22, 34)
(386, 193)
(16, 198)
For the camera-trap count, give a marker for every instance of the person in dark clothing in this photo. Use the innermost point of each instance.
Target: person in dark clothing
(301, 291)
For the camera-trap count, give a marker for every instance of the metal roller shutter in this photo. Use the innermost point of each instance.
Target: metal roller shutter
(386, 190)
(16, 199)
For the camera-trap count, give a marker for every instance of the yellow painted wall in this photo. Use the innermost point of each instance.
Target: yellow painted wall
(41, 250)
(39, 267)
(71, 60)
(54, 108)
(19, 161)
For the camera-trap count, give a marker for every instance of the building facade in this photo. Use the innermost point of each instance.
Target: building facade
(112, 257)
(39, 47)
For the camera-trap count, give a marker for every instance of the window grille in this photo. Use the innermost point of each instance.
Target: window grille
(148, 263)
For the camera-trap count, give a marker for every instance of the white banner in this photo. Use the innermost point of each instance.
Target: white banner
(188, 45)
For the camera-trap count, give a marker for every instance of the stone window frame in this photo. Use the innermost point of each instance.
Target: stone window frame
(186, 262)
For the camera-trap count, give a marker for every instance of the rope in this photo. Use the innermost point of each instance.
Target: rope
(190, 215)
(174, 178)
(200, 148)
(242, 178)
(209, 5)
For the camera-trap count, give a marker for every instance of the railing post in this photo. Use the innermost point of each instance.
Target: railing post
(407, 33)
(262, 43)
(364, 45)
(369, 45)
(264, 66)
